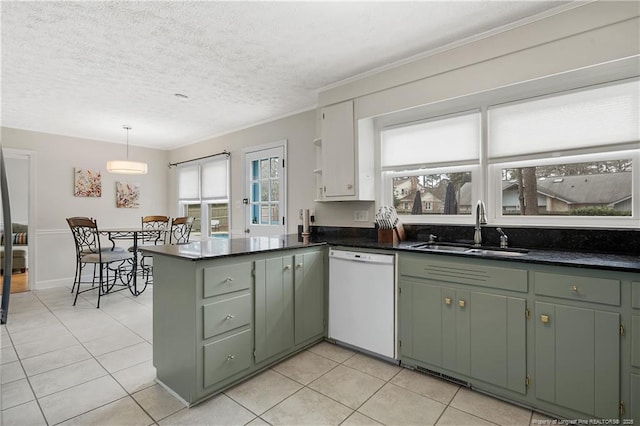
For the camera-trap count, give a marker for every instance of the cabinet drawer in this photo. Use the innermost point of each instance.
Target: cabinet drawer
(227, 278)
(226, 357)
(635, 295)
(225, 315)
(576, 287)
(464, 273)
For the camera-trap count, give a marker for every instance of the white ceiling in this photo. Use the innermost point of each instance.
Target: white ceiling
(86, 68)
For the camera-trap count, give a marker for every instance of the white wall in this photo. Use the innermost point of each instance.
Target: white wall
(55, 158)
(298, 130)
(17, 168)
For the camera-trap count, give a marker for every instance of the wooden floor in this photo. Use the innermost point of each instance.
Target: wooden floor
(19, 283)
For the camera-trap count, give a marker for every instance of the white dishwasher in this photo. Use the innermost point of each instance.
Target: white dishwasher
(362, 302)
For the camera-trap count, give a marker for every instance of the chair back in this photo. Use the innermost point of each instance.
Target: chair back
(180, 230)
(155, 223)
(85, 235)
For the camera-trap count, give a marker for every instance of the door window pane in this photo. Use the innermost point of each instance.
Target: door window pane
(596, 188)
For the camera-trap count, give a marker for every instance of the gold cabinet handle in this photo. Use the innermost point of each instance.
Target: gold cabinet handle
(229, 317)
(299, 265)
(461, 303)
(230, 357)
(447, 300)
(544, 319)
(574, 288)
(229, 280)
(287, 268)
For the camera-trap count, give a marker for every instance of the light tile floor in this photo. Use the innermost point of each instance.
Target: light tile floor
(85, 366)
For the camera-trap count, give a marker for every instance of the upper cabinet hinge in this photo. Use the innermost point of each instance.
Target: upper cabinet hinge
(527, 313)
(527, 380)
(621, 329)
(283, 163)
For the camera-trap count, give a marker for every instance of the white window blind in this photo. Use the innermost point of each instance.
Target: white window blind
(189, 182)
(439, 141)
(214, 179)
(596, 117)
(204, 181)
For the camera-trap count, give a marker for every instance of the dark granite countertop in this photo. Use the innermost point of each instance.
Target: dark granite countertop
(223, 247)
(220, 247)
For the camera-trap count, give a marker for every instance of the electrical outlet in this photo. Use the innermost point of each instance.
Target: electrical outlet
(312, 216)
(361, 215)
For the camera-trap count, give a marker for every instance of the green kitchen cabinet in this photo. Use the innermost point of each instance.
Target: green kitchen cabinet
(218, 321)
(309, 296)
(447, 325)
(273, 306)
(577, 358)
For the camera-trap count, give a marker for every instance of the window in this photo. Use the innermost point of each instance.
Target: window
(594, 188)
(424, 180)
(203, 193)
(559, 159)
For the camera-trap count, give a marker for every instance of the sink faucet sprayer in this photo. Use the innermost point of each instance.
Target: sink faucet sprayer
(504, 240)
(481, 219)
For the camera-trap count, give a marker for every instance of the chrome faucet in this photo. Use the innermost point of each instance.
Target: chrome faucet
(504, 240)
(481, 219)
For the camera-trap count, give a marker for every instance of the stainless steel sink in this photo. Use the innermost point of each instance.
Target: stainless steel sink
(441, 247)
(462, 248)
(491, 252)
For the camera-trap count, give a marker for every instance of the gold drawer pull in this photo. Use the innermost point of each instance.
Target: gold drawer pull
(299, 265)
(574, 288)
(230, 317)
(230, 357)
(461, 303)
(229, 280)
(287, 268)
(544, 319)
(447, 300)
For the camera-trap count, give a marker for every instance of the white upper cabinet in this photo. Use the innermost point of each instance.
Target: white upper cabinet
(346, 164)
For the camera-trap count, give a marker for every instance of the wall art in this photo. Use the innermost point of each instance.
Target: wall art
(127, 195)
(87, 183)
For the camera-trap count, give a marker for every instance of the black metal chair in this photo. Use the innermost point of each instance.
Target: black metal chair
(180, 230)
(89, 252)
(158, 227)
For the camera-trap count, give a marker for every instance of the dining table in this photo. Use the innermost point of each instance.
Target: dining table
(135, 235)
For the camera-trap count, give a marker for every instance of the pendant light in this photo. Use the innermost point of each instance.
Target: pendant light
(125, 166)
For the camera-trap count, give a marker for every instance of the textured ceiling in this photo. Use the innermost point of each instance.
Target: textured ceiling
(86, 68)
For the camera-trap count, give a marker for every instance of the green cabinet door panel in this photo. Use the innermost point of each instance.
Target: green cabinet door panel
(634, 409)
(309, 296)
(635, 340)
(498, 340)
(420, 321)
(226, 357)
(545, 351)
(577, 358)
(273, 306)
(635, 295)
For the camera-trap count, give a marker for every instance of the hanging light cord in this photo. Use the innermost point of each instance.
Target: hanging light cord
(127, 128)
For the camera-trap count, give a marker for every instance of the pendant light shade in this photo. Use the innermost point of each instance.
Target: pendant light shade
(125, 166)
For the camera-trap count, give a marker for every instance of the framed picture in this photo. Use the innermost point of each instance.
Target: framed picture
(87, 183)
(127, 195)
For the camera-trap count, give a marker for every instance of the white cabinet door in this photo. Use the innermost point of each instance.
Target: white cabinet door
(338, 150)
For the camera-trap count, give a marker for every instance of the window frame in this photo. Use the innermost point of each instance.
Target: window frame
(204, 203)
(486, 180)
(495, 192)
